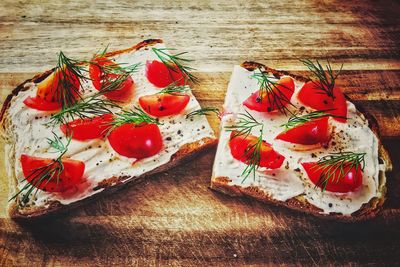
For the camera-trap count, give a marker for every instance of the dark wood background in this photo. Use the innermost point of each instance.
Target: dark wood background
(173, 218)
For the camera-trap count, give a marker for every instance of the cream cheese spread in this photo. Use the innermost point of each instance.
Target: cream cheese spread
(101, 161)
(291, 180)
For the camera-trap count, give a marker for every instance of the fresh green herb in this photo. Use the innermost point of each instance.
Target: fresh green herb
(57, 145)
(269, 88)
(326, 78)
(296, 120)
(70, 73)
(103, 63)
(114, 83)
(103, 52)
(87, 107)
(331, 164)
(114, 75)
(118, 69)
(173, 61)
(41, 176)
(253, 155)
(244, 126)
(135, 116)
(202, 111)
(173, 89)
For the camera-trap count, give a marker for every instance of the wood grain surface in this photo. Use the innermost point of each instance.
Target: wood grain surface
(173, 218)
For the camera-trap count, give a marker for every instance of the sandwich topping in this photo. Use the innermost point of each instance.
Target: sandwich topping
(119, 116)
(295, 139)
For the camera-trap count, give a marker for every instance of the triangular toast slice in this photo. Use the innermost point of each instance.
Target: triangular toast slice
(274, 170)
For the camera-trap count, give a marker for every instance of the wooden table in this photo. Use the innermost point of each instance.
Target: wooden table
(174, 218)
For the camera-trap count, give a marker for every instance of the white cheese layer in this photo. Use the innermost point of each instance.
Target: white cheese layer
(101, 161)
(291, 180)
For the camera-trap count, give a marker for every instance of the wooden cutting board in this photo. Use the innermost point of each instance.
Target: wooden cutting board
(174, 218)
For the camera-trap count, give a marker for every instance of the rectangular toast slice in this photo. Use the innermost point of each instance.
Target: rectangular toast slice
(25, 131)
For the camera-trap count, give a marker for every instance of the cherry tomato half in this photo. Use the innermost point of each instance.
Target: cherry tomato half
(49, 89)
(242, 147)
(159, 105)
(41, 104)
(70, 176)
(161, 76)
(263, 101)
(101, 79)
(88, 128)
(337, 182)
(311, 95)
(310, 133)
(136, 141)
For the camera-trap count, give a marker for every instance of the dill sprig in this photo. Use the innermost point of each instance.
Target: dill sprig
(103, 52)
(244, 126)
(68, 70)
(296, 120)
(173, 61)
(326, 78)
(331, 164)
(114, 83)
(77, 107)
(173, 89)
(203, 111)
(253, 155)
(115, 68)
(120, 68)
(57, 145)
(91, 106)
(46, 173)
(135, 116)
(114, 75)
(275, 97)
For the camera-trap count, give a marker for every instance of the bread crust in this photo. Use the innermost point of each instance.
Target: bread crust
(299, 203)
(112, 184)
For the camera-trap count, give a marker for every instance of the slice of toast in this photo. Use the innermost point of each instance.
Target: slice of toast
(295, 193)
(189, 138)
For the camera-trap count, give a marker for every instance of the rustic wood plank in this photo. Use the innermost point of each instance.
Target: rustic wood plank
(276, 33)
(173, 218)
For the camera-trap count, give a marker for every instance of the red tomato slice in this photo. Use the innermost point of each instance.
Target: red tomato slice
(337, 183)
(161, 76)
(311, 95)
(100, 79)
(88, 128)
(310, 133)
(262, 101)
(49, 87)
(136, 141)
(41, 104)
(159, 105)
(241, 149)
(70, 177)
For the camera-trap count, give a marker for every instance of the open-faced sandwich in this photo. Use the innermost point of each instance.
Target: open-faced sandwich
(88, 127)
(300, 143)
